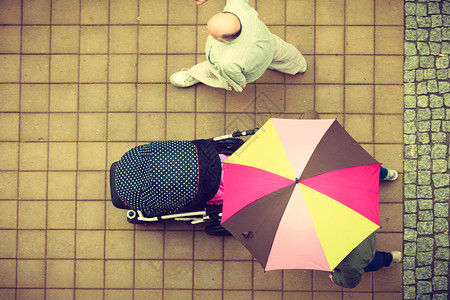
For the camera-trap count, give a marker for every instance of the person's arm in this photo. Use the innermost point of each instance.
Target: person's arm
(348, 278)
(234, 76)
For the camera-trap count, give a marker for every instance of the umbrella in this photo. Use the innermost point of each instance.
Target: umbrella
(301, 194)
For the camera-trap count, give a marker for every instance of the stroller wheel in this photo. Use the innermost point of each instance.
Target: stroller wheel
(132, 217)
(216, 230)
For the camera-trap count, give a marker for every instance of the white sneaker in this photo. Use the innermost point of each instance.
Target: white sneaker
(183, 79)
(396, 256)
(392, 175)
(303, 70)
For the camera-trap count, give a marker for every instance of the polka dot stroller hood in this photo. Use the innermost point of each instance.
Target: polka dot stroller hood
(166, 176)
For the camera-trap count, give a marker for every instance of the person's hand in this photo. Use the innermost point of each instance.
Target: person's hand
(200, 2)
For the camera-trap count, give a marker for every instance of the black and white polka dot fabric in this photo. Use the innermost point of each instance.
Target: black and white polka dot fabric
(159, 177)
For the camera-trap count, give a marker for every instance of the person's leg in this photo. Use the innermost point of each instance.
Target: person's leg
(206, 74)
(286, 58)
(383, 172)
(380, 260)
(386, 174)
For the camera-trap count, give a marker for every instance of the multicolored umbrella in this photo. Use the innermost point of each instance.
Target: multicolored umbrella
(301, 194)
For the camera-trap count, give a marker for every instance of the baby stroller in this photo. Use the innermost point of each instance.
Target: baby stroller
(174, 180)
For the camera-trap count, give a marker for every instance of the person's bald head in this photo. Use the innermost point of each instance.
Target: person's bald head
(224, 27)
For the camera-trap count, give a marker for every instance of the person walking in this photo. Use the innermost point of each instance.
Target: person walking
(239, 49)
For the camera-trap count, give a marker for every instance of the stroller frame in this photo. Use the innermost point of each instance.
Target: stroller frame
(210, 213)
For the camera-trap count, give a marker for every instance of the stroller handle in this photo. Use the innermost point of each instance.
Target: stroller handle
(235, 134)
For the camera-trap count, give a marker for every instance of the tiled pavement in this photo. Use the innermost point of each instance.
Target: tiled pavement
(426, 167)
(82, 81)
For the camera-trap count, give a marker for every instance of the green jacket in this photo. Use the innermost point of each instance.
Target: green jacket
(350, 271)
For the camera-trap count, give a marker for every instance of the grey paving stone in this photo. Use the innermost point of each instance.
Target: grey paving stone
(424, 126)
(436, 21)
(424, 162)
(445, 48)
(410, 165)
(411, 34)
(423, 21)
(423, 48)
(425, 204)
(410, 249)
(442, 194)
(421, 9)
(444, 87)
(436, 101)
(441, 240)
(409, 263)
(409, 277)
(442, 74)
(442, 253)
(439, 151)
(439, 166)
(432, 86)
(433, 8)
(410, 9)
(441, 210)
(424, 149)
(425, 244)
(446, 126)
(438, 137)
(447, 99)
(440, 225)
(424, 177)
(423, 273)
(438, 114)
(440, 283)
(410, 235)
(410, 177)
(409, 139)
(410, 206)
(411, 152)
(409, 115)
(411, 62)
(409, 89)
(440, 268)
(429, 74)
(423, 297)
(436, 34)
(426, 61)
(424, 138)
(435, 48)
(411, 22)
(424, 192)
(426, 215)
(409, 292)
(442, 62)
(425, 228)
(423, 114)
(409, 76)
(424, 287)
(424, 259)
(423, 101)
(443, 296)
(422, 35)
(410, 221)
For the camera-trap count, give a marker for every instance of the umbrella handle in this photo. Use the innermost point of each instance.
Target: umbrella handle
(235, 134)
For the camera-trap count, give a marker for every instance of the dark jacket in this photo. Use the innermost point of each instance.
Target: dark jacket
(350, 271)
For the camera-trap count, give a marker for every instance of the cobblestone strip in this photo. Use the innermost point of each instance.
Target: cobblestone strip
(426, 139)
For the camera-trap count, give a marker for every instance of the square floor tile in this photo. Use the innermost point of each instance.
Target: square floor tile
(10, 12)
(176, 63)
(390, 155)
(329, 69)
(34, 98)
(9, 123)
(210, 99)
(61, 185)
(148, 274)
(63, 127)
(237, 295)
(208, 274)
(116, 218)
(9, 189)
(90, 244)
(33, 127)
(94, 12)
(122, 97)
(300, 12)
(89, 273)
(381, 282)
(359, 40)
(119, 244)
(389, 69)
(8, 213)
(63, 97)
(32, 215)
(237, 275)
(8, 250)
(178, 274)
(392, 192)
(35, 39)
(180, 126)
(389, 128)
(261, 295)
(329, 40)
(121, 126)
(177, 294)
(9, 68)
(96, 294)
(92, 97)
(182, 12)
(266, 280)
(60, 273)
(124, 12)
(65, 12)
(236, 121)
(90, 214)
(90, 185)
(327, 16)
(36, 13)
(270, 98)
(207, 247)
(32, 185)
(181, 39)
(389, 12)
(92, 127)
(299, 98)
(389, 99)
(152, 68)
(272, 12)
(358, 69)
(391, 217)
(8, 276)
(302, 37)
(62, 156)
(178, 245)
(329, 98)
(123, 39)
(61, 215)
(359, 12)
(297, 280)
(149, 244)
(10, 42)
(31, 244)
(180, 100)
(151, 127)
(321, 282)
(10, 155)
(93, 68)
(31, 273)
(153, 12)
(33, 156)
(91, 156)
(389, 40)
(93, 39)
(360, 127)
(10, 97)
(209, 125)
(122, 68)
(61, 244)
(359, 98)
(35, 68)
(151, 97)
(152, 39)
(54, 294)
(241, 102)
